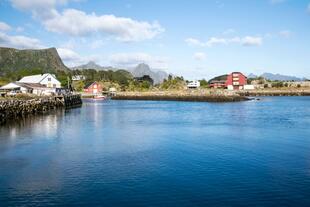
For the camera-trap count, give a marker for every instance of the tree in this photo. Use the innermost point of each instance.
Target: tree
(204, 83)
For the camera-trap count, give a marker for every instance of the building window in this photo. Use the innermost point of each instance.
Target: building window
(49, 79)
(54, 85)
(235, 74)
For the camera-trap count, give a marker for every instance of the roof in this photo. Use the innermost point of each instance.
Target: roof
(89, 84)
(219, 79)
(34, 78)
(30, 85)
(15, 85)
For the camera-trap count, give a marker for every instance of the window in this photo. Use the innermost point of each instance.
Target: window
(54, 85)
(49, 79)
(235, 74)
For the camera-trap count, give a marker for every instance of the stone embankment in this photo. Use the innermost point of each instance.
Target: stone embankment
(199, 96)
(17, 108)
(275, 92)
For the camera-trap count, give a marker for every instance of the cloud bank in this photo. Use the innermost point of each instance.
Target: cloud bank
(78, 23)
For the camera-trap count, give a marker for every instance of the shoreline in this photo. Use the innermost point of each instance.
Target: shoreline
(275, 93)
(194, 96)
(207, 95)
(214, 99)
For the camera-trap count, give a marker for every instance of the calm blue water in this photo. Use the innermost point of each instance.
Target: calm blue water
(139, 153)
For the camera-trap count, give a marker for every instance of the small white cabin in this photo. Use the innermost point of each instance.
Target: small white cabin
(78, 77)
(48, 80)
(193, 84)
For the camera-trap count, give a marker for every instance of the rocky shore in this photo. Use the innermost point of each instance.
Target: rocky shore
(198, 96)
(275, 92)
(17, 108)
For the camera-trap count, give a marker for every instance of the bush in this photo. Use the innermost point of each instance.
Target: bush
(204, 83)
(277, 84)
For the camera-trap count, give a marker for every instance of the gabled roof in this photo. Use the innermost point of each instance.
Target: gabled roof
(34, 78)
(15, 85)
(89, 84)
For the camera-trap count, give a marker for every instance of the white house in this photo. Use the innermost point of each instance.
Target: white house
(193, 84)
(78, 77)
(33, 88)
(48, 80)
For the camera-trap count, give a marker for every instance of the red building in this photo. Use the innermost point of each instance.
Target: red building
(233, 81)
(93, 88)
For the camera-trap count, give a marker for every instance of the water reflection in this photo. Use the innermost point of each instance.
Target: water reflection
(44, 125)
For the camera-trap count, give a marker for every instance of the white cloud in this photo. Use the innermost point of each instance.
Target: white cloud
(4, 26)
(78, 23)
(39, 9)
(212, 41)
(285, 33)
(245, 41)
(252, 41)
(216, 41)
(132, 59)
(200, 56)
(68, 55)
(72, 58)
(194, 42)
(19, 41)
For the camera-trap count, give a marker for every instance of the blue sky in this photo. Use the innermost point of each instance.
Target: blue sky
(196, 39)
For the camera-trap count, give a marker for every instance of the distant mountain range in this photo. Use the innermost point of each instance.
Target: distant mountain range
(143, 69)
(140, 70)
(274, 77)
(93, 65)
(12, 60)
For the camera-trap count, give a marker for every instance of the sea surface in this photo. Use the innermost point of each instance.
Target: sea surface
(151, 153)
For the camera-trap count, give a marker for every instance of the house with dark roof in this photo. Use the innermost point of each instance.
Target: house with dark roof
(233, 81)
(93, 88)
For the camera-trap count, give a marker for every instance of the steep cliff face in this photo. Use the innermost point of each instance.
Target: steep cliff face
(48, 60)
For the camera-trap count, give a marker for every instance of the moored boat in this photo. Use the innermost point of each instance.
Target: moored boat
(100, 97)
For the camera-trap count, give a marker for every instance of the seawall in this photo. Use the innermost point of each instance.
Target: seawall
(180, 96)
(17, 108)
(275, 93)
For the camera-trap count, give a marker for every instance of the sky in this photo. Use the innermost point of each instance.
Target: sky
(195, 38)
